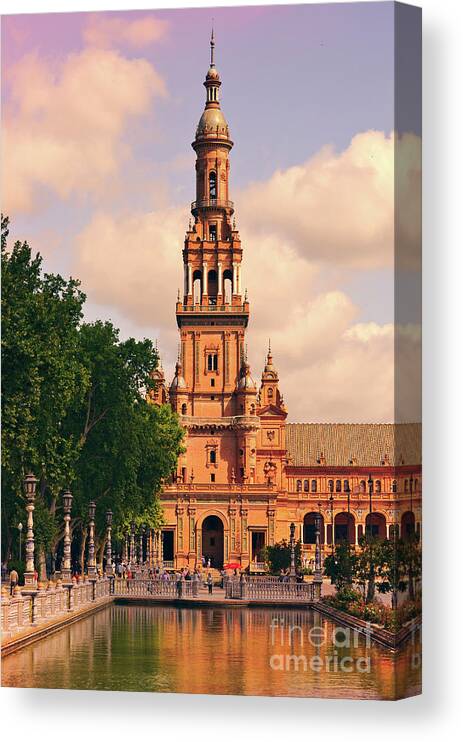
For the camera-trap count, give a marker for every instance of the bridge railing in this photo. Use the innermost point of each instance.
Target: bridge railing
(156, 588)
(271, 590)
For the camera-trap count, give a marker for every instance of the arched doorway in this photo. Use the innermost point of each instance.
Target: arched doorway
(212, 540)
(344, 528)
(375, 524)
(407, 525)
(309, 529)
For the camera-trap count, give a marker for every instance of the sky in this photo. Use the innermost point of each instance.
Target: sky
(99, 112)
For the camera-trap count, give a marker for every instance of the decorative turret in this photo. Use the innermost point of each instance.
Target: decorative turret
(269, 393)
(178, 393)
(158, 395)
(246, 390)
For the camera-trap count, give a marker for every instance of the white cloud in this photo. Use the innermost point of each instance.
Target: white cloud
(63, 130)
(104, 31)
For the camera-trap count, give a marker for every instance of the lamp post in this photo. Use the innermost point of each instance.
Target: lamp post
(370, 512)
(410, 482)
(332, 522)
(292, 571)
(371, 578)
(30, 486)
(20, 529)
(140, 548)
(125, 549)
(67, 504)
(318, 560)
(109, 561)
(348, 514)
(91, 564)
(132, 555)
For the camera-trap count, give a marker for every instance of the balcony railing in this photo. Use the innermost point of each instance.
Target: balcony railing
(212, 203)
(226, 308)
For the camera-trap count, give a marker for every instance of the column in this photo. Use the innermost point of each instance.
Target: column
(219, 280)
(190, 280)
(185, 279)
(235, 280)
(238, 279)
(204, 279)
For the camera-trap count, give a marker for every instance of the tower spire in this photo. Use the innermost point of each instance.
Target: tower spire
(212, 45)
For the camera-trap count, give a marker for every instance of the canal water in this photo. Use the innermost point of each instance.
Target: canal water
(241, 651)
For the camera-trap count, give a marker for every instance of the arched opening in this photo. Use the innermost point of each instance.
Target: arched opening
(309, 530)
(212, 541)
(212, 184)
(213, 456)
(212, 287)
(375, 525)
(407, 525)
(197, 279)
(227, 286)
(184, 408)
(344, 528)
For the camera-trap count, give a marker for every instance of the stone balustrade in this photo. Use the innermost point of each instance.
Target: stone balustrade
(156, 587)
(29, 608)
(273, 591)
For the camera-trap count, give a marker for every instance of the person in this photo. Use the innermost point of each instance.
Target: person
(209, 582)
(4, 571)
(14, 577)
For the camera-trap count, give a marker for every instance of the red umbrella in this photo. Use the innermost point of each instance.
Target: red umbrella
(232, 565)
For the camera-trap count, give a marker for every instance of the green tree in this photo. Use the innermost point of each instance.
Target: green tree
(341, 565)
(42, 375)
(278, 556)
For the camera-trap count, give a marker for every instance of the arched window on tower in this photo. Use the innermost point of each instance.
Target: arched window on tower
(314, 485)
(213, 184)
(184, 408)
(306, 485)
(212, 287)
(213, 457)
(197, 279)
(228, 286)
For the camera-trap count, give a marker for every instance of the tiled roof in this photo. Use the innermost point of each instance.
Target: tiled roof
(344, 444)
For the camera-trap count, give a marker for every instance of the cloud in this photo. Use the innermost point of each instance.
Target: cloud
(105, 31)
(64, 129)
(332, 367)
(338, 208)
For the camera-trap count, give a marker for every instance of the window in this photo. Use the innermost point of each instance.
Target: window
(270, 393)
(346, 485)
(213, 232)
(306, 485)
(299, 485)
(184, 408)
(213, 456)
(363, 486)
(378, 485)
(212, 362)
(338, 485)
(314, 485)
(331, 485)
(212, 184)
(183, 474)
(212, 382)
(406, 485)
(242, 471)
(212, 397)
(394, 485)
(212, 477)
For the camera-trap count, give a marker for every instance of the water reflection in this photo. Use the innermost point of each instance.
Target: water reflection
(258, 651)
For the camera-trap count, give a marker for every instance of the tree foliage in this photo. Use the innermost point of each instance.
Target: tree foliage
(74, 408)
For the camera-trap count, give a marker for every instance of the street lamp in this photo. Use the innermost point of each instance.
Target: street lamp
(348, 514)
(370, 490)
(30, 486)
(20, 529)
(67, 504)
(132, 555)
(292, 572)
(140, 550)
(91, 565)
(109, 561)
(411, 505)
(332, 523)
(318, 561)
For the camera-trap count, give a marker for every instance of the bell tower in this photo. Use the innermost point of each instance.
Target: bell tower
(212, 315)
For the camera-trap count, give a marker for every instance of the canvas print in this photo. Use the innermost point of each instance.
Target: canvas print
(211, 328)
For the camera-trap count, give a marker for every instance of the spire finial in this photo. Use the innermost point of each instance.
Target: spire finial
(269, 347)
(212, 45)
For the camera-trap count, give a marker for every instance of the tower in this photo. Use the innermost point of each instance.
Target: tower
(221, 503)
(212, 316)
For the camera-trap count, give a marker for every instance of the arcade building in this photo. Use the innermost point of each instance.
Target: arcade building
(247, 473)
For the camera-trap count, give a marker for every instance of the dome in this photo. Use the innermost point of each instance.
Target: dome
(178, 381)
(246, 381)
(210, 120)
(212, 74)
